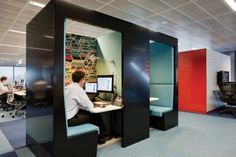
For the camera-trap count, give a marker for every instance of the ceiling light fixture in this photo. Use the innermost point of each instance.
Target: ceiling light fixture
(20, 61)
(37, 4)
(15, 31)
(232, 4)
(48, 36)
(12, 46)
(9, 54)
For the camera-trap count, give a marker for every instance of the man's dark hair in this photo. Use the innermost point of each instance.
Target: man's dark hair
(77, 76)
(3, 78)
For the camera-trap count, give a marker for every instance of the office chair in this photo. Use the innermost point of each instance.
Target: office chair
(228, 95)
(16, 107)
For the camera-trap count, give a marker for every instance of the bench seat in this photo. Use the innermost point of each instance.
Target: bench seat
(81, 129)
(159, 110)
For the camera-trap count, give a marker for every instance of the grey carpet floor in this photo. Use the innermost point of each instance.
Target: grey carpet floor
(196, 136)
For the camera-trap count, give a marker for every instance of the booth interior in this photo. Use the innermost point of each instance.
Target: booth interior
(97, 52)
(162, 102)
(117, 58)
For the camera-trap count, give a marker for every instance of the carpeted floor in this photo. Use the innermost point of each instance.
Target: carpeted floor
(197, 135)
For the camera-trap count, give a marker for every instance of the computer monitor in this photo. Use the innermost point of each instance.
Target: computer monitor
(91, 87)
(105, 83)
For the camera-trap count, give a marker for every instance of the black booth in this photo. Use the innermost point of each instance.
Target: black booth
(46, 125)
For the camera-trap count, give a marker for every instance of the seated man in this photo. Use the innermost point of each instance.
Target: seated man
(76, 98)
(3, 90)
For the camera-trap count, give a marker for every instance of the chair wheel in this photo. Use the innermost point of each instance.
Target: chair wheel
(13, 116)
(3, 116)
(10, 113)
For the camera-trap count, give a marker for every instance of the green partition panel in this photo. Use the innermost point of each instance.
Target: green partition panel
(161, 63)
(162, 74)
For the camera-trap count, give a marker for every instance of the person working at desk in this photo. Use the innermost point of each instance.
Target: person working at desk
(3, 90)
(76, 98)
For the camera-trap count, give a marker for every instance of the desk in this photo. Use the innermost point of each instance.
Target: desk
(105, 109)
(20, 93)
(153, 98)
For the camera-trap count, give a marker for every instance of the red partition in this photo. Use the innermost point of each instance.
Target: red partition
(192, 81)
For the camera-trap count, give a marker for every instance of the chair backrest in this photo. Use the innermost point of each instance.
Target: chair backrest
(10, 98)
(228, 92)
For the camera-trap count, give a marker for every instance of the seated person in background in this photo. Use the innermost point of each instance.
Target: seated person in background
(76, 98)
(3, 90)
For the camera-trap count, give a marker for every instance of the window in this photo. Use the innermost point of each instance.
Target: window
(8, 72)
(13, 74)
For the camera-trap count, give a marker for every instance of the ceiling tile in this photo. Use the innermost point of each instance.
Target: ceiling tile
(89, 4)
(228, 20)
(146, 24)
(224, 32)
(131, 8)
(194, 11)
(7, 6)
(177, 17)
(7, 13)
(119, 14)
(161, 21)
(212, 24)
(196, 27)
(153, 5)
(4, 19)
(214, 7)
(176, 3)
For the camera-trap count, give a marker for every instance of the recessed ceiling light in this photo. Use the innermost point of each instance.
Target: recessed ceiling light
(164, 22)
(232, 4)
(37, 4)
(15, 31)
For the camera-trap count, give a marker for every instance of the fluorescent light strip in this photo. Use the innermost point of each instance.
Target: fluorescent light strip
(232, 4)
(9, 54)
(15, 31)
(37, 4)
(12, 46)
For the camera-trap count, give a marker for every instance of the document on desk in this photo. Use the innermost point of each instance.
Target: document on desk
(105, 109)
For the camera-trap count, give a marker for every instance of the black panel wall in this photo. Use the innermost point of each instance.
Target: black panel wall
(39, 70)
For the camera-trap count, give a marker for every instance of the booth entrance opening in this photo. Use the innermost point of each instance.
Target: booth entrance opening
(97, 52)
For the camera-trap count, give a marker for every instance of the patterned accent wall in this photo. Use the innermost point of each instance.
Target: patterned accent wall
(80, 55)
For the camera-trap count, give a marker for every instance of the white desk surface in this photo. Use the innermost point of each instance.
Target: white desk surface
(105, 109)
(153, 98)
(20, 93)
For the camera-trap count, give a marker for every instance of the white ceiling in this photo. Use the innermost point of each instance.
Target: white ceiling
(196, 23)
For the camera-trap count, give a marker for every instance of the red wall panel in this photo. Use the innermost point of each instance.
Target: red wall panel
(192, 81)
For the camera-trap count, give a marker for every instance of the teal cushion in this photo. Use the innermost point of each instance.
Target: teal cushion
(164, 93)
(159, 110)
(81, 129)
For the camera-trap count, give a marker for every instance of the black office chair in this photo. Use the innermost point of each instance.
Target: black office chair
(228, 95)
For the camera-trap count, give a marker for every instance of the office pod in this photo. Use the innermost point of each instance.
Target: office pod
(163, 109)
(122, 52)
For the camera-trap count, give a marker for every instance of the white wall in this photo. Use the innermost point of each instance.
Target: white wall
(215, 62)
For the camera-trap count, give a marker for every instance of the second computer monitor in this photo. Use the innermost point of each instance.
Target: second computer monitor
(91, 87)
(105, 83)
